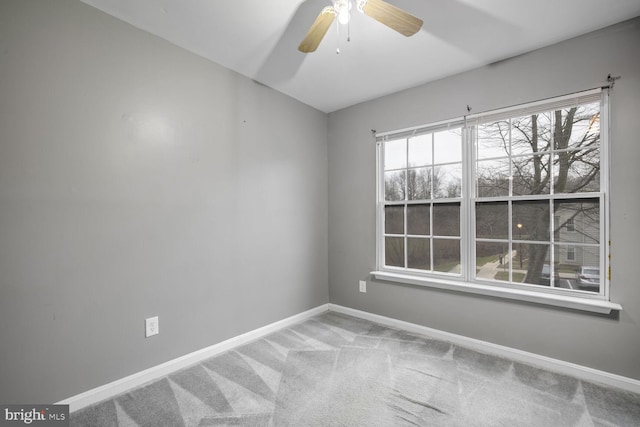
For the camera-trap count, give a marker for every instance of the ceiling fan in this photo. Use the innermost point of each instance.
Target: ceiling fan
(383, 12)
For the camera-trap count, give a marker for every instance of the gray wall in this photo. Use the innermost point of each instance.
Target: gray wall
(607, 343)
(137, 179)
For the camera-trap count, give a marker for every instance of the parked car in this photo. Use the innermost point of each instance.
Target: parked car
(588, 278)
(545, 276)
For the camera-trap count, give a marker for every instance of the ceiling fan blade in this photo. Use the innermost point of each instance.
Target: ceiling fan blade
(393, 17)
(318, 30)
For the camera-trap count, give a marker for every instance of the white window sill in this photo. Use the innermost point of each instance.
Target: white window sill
(576, 303)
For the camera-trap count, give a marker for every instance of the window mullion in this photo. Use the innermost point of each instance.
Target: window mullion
(552, 239)
(510, 156)
(406, 199)
(605, 135)
(467, 232)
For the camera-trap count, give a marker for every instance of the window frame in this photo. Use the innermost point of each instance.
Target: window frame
(467, 281)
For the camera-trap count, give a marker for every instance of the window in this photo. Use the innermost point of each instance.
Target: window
(569, 225)
(511, 199)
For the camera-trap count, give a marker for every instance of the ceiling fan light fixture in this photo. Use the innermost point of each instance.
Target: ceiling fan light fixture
(343, 9)
(343, 17)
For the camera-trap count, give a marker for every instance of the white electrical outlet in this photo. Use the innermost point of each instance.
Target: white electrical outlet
(363, 286)
(152, 326)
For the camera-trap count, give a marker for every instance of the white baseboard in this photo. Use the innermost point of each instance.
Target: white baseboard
(122, 385)
(548, 363)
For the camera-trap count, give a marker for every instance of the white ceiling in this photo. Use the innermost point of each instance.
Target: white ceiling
(259, 39)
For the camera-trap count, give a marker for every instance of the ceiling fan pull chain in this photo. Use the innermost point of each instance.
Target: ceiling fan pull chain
(337, 38)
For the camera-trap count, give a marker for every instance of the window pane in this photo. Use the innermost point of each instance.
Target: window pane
(492, 220)
(531, 175)
(584, 123)
(395, 154)
(420, 150)
(394, 251)
(533, 259)
(418, 254)
(447, 181)
(446, 255)
(394, 219)
(492, 178)
(492, 140)
(565, 260)
(577, 171)
(418, 219)
(531, 134)
(419, 184)
(394, 183)
(577, 221)
(588, 275)
(492, 260)
(446, 219)
(447, 146)
(531, 220)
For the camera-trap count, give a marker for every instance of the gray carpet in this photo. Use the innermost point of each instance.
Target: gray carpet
(337, 370)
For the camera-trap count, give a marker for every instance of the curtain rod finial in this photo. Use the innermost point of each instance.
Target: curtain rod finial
(612, 80)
